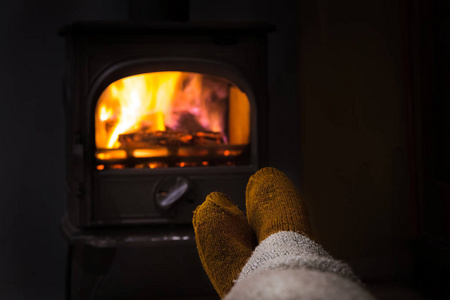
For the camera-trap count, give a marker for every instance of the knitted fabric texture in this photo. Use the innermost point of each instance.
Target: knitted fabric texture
(273, 204)
(289, 266)
(291, 250)
(297, 284)
(225, 240)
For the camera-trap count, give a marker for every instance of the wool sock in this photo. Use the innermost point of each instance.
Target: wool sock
(274, 204)
(224, 238)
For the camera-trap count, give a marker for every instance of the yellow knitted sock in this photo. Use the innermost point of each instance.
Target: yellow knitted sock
(274, 204)
(224, 239)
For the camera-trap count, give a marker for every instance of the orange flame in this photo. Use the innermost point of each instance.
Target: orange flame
(179, 101)
(129, 103)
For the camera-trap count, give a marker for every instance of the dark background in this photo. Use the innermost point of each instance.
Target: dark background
(339, 88)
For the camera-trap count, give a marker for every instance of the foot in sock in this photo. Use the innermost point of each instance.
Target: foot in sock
(273, 204)
(224, 238)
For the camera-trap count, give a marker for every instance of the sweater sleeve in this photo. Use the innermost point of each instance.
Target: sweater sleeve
(288, 265)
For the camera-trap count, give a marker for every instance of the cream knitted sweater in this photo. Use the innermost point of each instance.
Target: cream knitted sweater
(288, 265)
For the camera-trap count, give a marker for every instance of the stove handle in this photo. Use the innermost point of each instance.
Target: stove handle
(167, 196)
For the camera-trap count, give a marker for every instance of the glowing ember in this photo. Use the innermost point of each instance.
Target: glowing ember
(150, 152)
(117, 166)
(111, 154)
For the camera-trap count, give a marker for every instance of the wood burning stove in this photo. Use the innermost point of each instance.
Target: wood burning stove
(158, 116)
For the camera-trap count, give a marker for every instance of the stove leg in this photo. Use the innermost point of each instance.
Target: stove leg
(87, 267)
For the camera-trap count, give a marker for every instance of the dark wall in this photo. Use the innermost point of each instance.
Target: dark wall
(354, 158)
(335, 85)
(32, 251)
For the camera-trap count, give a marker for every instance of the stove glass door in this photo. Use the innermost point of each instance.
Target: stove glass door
(172, 119)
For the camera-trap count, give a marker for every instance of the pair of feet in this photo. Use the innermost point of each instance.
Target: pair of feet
(226, 238)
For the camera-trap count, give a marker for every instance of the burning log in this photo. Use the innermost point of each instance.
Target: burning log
(141, 139)
(208, 138)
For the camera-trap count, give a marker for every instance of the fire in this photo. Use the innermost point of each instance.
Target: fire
(134, 102)
(147, 115)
